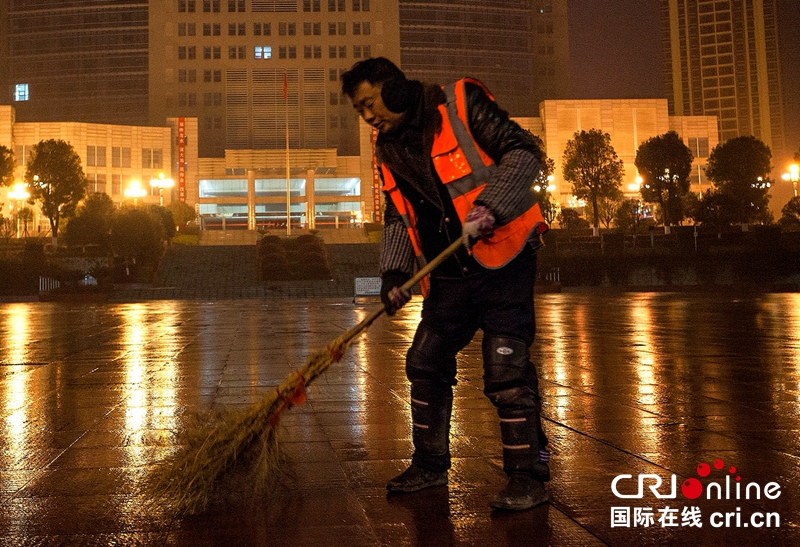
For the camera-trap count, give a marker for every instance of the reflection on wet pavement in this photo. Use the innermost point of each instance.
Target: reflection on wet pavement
(633, 384)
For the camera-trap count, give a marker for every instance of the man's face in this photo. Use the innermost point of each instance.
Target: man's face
(368, 103)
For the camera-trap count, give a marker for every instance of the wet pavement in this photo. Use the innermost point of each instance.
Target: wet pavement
(633, 384)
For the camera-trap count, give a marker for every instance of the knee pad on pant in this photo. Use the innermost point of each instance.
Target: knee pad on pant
(430, 357)
(508, 373)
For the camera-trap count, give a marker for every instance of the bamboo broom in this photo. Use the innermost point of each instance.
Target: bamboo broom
(185, 481)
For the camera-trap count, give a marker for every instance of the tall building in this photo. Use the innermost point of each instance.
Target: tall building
(224, 61)
(518, 48)
(723, 60)
(253, 70)
(83, 60)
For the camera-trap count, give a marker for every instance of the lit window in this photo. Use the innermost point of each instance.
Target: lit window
(263, 52)
(21, 92)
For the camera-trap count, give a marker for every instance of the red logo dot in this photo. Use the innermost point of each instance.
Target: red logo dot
(718, 464)
(703, 469)
(692, 488)
(732, 470)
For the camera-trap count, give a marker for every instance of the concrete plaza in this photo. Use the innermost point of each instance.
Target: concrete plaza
(91, 396)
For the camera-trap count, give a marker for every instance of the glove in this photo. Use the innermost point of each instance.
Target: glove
(478, 224)
(392, 296)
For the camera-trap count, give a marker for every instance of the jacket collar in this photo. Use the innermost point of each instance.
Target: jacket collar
(422, 122)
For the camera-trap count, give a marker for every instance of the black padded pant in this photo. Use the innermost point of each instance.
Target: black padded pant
(500, 303)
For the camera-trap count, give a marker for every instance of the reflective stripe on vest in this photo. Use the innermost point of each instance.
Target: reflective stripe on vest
(409, 220)
(464, 168)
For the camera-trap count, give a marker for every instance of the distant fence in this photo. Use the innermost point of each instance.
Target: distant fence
(47, 284)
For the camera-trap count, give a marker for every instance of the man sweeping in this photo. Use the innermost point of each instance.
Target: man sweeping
(455, 166)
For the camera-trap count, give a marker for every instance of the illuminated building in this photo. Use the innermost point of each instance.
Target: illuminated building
(518, 48)
(723, 60)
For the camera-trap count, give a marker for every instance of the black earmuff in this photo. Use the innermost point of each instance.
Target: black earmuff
(396, 94)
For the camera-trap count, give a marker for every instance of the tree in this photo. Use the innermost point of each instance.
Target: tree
(7, 166)
(92, 222)
(592, 166)
(571, 220)
(628, 215)
(542, 181)
(25, 215)
(717, 210)
(182, 213)
(607, 207)
(164, 217)
(740, 168)
(665, 163)
(56, 178)
(790, 215)
(136, 236)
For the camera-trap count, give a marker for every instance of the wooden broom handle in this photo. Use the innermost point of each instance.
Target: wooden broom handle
(407, 286)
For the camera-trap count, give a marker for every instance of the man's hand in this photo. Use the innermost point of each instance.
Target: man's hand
(478, 224)
(392, 296)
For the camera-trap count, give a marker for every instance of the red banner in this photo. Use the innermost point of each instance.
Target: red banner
(182, 159)
(377, 214)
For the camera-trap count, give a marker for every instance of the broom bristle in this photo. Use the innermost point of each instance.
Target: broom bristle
(185, 480)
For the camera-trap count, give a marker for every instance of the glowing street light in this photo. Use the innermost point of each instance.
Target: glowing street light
(19, 194)
(161, 182)
(793, 175)
(551, 187)
(135, 191)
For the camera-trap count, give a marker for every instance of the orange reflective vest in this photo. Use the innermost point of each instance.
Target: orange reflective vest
(464, 169)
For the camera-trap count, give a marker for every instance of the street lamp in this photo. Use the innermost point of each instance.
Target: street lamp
(19, 194)
(161, 183)
(135, 191)
(551, 187)
(793, 175)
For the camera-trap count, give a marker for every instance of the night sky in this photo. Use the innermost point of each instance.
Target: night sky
(615, 52)
(615, 49)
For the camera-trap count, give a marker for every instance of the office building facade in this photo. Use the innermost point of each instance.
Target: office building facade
(723, 60)
(252, 71)
(83, 61)
(518, 48)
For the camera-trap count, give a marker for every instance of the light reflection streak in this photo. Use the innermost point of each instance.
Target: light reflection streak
(149, 369)
(581, 329)
(16, 411)
(556, 322)
(559, 363)
(642, 327)
(786, 321)
(17, 333)
(16, 385)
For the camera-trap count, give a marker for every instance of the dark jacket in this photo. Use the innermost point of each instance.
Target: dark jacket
(406, 151)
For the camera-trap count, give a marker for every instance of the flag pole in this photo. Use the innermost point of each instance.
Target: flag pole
(288, 170)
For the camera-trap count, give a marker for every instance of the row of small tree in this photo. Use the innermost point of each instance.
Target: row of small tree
(739, 170)
(135, 236)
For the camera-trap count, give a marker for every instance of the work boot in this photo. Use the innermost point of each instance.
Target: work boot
(416, 478)
(522, 492)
